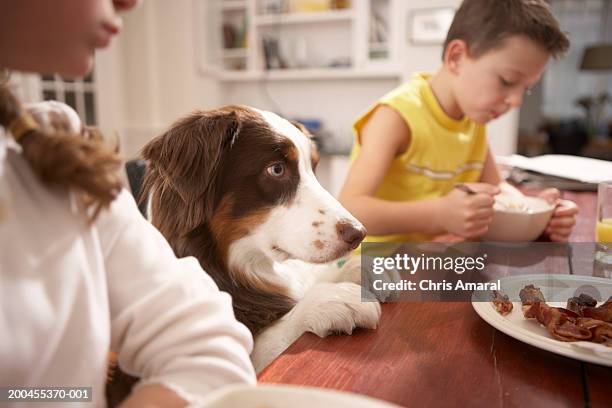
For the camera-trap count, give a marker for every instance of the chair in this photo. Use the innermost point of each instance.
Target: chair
(135, 170)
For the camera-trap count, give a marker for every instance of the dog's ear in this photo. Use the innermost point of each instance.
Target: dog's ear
(302, 128)
(314, 151)
(186, 157)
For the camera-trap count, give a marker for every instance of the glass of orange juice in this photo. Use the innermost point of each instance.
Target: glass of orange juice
(603, 228)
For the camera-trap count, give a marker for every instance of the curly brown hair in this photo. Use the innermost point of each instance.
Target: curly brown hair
(83, 165)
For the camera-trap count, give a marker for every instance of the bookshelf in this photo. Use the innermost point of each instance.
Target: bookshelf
(283, 40)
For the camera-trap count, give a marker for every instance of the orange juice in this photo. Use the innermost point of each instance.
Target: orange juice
(603, 230)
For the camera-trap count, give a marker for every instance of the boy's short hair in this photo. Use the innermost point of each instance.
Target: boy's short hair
(485, 24)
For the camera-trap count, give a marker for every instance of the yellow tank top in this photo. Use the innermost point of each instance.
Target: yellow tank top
(442, 151)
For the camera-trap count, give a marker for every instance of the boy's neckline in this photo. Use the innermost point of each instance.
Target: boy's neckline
(433, 102)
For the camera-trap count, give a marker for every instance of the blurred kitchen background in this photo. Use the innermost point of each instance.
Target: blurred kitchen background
(323, 62)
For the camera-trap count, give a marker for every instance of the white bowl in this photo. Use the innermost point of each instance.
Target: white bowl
(518, 219)
(288, 396)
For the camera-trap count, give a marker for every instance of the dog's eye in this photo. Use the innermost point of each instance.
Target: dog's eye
(276, 170)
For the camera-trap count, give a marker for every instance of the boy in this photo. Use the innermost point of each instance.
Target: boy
(425, 137)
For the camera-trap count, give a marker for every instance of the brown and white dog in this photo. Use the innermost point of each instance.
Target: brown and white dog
(235, 188)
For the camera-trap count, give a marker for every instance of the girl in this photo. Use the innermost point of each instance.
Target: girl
(81, 271)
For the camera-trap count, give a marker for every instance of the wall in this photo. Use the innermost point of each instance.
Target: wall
(587, 22)
(531, 111)
(111, 103)
(159, 71)
(161, 81)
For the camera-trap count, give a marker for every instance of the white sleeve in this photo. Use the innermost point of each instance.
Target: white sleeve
(170, 324)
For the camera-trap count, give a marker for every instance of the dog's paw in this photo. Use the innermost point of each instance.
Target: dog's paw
(336, 308)
(352, 271)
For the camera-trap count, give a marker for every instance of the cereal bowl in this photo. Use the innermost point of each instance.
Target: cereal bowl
(518, 219)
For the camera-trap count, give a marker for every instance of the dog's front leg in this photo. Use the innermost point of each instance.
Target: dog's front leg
(325, 308)
(274, 339)
(353, 271)
(350, 271)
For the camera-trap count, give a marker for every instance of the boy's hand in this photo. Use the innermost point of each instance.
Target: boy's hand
(468, 214)
(564, 217)
(448, 239)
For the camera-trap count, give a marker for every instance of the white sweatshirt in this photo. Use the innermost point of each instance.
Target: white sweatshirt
(70, 293)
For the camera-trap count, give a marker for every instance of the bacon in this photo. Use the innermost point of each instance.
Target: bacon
(570, 331)
(561, 323)
(546, 315)
(530, 294)
(603, 334)
(502, 303)
(603, 312)
(578, 303)
(581, 321)
(602, 331)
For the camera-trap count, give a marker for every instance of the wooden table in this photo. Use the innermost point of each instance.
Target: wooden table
(444, 354)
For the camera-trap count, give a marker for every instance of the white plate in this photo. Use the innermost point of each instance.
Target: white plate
(288, 396)
(533, 333)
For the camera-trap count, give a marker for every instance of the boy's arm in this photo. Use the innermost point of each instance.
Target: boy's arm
(382, 138)
(385, 136)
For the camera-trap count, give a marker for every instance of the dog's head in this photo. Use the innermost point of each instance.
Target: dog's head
(245, 176)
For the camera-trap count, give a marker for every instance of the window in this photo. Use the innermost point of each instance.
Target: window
(586, 22)
(80, 94)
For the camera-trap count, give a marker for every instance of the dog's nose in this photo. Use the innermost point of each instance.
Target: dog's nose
(350, 233)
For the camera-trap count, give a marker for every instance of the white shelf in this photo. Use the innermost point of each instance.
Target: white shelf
(306, 74)
(234, 53)
(233, 5)
(379, 46)
(304, 18)
(346, 29)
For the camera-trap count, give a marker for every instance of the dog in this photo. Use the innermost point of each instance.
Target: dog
(235, 188)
